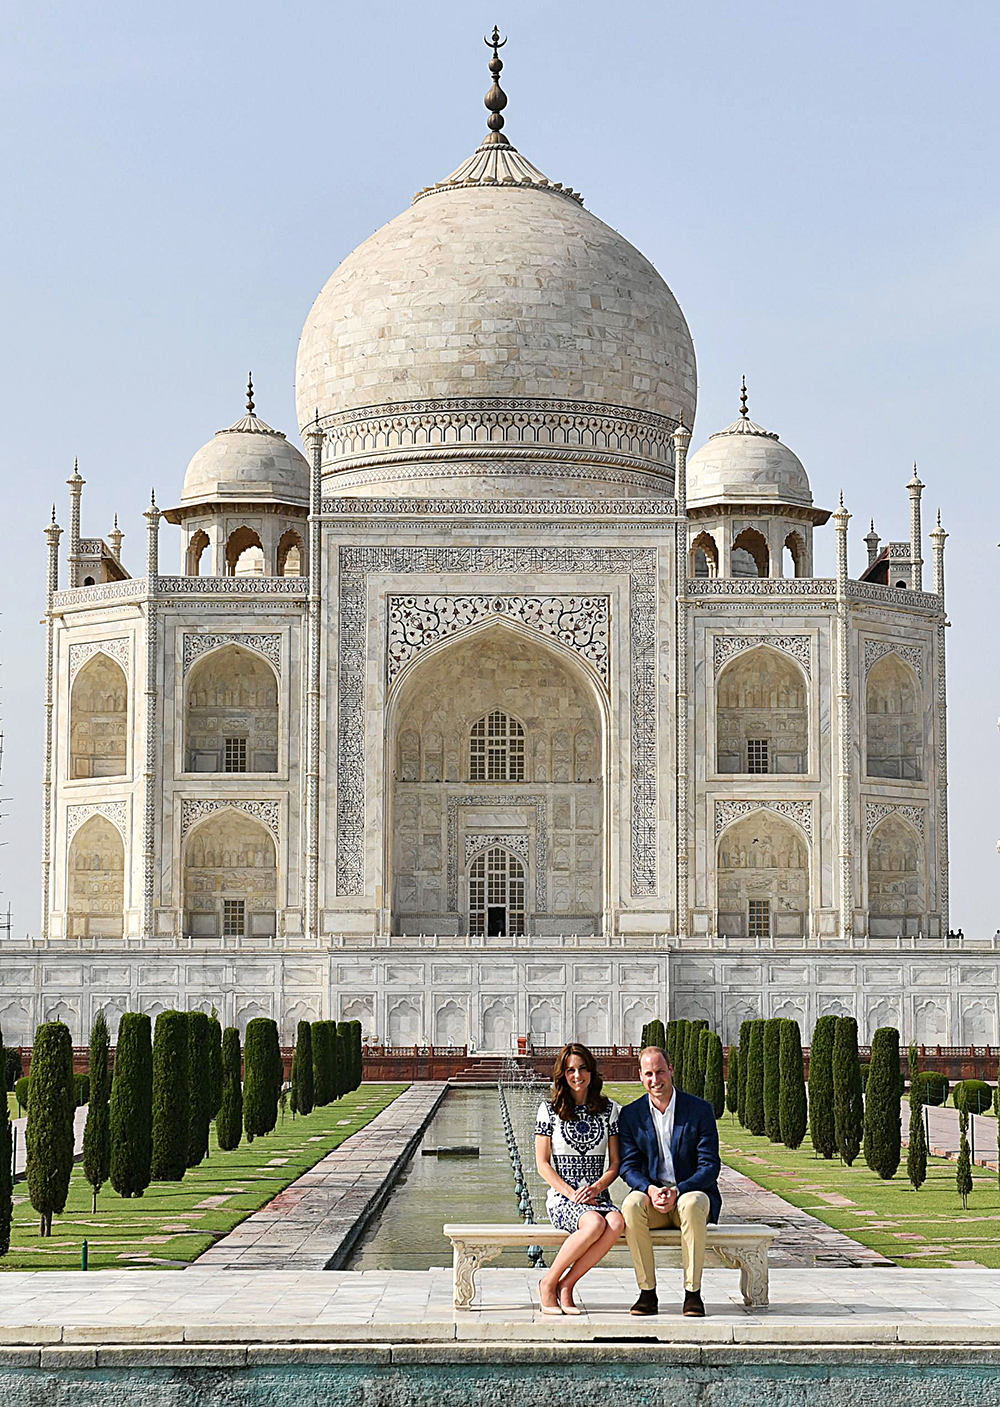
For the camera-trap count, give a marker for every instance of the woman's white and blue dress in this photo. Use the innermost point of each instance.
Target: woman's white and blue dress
(579, 1156)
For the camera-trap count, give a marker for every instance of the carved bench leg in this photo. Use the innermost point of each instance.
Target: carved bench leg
(467, 1257)
(753, 1276)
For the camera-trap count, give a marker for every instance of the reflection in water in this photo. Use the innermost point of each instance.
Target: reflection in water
(406, 1235)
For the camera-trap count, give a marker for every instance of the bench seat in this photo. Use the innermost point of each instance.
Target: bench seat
(744, 1248)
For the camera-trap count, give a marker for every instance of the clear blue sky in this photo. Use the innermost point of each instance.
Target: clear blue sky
(818, 185)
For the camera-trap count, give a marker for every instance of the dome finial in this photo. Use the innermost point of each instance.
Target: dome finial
(496, 98)
(743, 400)
(250, 394)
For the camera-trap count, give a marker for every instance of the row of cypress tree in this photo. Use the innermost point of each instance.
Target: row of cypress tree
(846, 1118)
(696, 1055)
(326, 1063)
(767, 1089)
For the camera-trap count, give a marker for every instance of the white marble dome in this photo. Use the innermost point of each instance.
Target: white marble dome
(247, 462)
(746, 464)
(495, 287)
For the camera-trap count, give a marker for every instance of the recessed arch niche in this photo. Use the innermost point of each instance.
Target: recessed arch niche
(762, 714)
(230, 878)
(551, 804)
(896, 895)
(231, 713)
(96, 880)
(98, 714)
(894, 722)
(762, 879)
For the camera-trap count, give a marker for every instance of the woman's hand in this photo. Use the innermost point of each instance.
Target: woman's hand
(585, 1196)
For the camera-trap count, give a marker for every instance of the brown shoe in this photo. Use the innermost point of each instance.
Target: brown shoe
(647, 1303)
(693, 1305)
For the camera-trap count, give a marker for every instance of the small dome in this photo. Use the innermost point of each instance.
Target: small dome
(249, 461)
(746, 464)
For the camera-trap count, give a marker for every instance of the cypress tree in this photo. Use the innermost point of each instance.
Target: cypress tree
(334, 1049)
(642, 1036)
(346, 1054)
(822, 1124)
(703, 1039)
(772, 1078)
(215, 1062)
(229, 1120)
(680, 1049)
(715, 1089)
(131, 1112)
(670, 1040)
(96, 1134)
(322, 1092)
(359, 1060)
(49, 1131)
(733, 1083)
(792, 1098)
(302, 1070)
(882, 1104)
(171, 1102)
(963, 1173)
(694, 1076)
(916, 1152)
(742, 1066)
(260, 1092)
(755, 1080)
(199, 1085)
(6, 1175)
(848, 1100)
(657, 1035)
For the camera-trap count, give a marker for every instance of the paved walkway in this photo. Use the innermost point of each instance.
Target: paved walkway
(21, 1152)
(816, 1307)
(804, 1240)
(315, 1222)
(942, 1123)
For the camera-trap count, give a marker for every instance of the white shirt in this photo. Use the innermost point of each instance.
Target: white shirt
(663, 1125)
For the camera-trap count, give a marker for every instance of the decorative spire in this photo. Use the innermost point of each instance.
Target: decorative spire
(744, 412)
(496, 98)
(250, 394)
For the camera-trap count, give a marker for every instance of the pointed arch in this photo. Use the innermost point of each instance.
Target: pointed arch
(762, 878)
(95, 899)
(795, 547)
(196, 549)
(231, 712)
(896, 878)
(894, 720)
(98, 715)
(703, 556)
(497, 744)
(762, 714)
(244, 553)
(750, 554)
(291, 554)
(497, 894)
(230, 878)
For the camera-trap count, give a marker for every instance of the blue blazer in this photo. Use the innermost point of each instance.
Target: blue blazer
(694, 1147)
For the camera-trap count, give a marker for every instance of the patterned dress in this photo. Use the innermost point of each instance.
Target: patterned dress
(579, 1156)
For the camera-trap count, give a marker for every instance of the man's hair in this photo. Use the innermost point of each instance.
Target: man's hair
(655, 1050)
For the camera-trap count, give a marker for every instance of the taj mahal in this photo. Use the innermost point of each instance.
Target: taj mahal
(497, 712)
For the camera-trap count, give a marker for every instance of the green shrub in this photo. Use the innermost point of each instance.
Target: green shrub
(302, 1070)
(13, 1068)
(882, 1137)
(215, 1063)
(742, 1068)
(916, 1150)
(733, 1082)
(199, 1086)
(848, 1104)
(229, 1120)
(715, 1089)
(21, 1091)
(755, 1080)
(792, 1094)
(49, 1131)
(822, 1121)
(131, 1112)
(680, 1051)
(261, 1055)
(171, 1097)
(772, 1078)
(694, 1076)
(933, 1086)
(96, 1133)
(6, 1174)
(81, 1090)
(975, 1095)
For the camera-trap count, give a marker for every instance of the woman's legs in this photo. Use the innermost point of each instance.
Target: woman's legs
(590, 1229)
(614, 1225)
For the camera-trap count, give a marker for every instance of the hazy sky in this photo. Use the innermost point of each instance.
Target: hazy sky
(817, 183)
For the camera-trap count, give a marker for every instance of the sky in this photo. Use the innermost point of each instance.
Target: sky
(818, 185)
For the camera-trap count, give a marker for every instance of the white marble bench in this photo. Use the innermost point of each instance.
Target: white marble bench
(473, 1244)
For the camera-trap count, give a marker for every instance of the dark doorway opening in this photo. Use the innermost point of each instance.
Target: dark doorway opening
(496, 921)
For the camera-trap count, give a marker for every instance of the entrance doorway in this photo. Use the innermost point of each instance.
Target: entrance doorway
(496, 894)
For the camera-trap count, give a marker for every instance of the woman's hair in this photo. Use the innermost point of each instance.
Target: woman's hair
(561, 1096)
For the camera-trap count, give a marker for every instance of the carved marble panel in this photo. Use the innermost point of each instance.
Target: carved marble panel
(195, 809)
(114, 811)
(912, 655)
(876, 811)
(797, 647)
(493, 800)
(196, 645)
(728, 811)
(79, 654)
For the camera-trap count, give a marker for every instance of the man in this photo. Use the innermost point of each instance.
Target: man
(670, 1158)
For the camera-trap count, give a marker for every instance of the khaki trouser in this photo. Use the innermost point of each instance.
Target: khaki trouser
(641, 1217)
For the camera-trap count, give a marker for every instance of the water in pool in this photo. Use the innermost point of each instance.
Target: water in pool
(406, 1234)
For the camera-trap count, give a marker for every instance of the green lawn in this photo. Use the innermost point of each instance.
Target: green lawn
(925, 1228)
(173, 1222)
(12, 1109)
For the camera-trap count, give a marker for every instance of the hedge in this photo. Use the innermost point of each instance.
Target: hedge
(882, 1136)
(229, 1120)
(975, 1095)
(21, 1091)
(792, 1094)
(130, 1116)
(772, 1078)
(49, 1130)
(81, 1090)
(933, 1086)
(822, 1123)
(171, 1097)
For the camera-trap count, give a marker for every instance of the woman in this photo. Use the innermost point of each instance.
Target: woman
(577, 1127)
